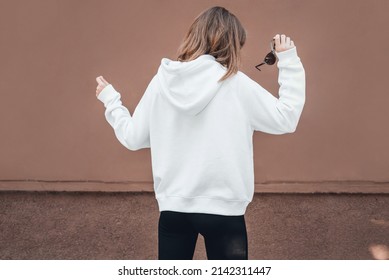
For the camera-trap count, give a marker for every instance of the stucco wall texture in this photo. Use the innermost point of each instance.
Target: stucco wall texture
(321, 192)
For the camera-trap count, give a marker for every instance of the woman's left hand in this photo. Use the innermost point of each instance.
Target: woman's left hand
(101, 84)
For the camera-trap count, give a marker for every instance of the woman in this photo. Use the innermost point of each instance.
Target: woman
(198, 115)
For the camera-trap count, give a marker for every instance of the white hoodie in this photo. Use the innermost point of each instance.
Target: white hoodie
(200, 131)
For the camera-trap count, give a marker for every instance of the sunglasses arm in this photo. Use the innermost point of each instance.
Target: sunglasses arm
(257, 66)
(272, 45)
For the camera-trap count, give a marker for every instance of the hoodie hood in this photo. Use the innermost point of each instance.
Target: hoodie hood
(189, 86)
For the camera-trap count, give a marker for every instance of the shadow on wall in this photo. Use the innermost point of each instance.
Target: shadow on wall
(379, 251)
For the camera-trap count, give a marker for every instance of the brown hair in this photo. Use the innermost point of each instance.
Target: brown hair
(217, 32)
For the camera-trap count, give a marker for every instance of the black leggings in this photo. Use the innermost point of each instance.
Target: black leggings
(225, 237)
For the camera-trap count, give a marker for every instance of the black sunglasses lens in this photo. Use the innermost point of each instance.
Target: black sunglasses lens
(270, 59)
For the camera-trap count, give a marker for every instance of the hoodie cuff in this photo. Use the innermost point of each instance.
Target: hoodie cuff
(287, 56)
(107, 94)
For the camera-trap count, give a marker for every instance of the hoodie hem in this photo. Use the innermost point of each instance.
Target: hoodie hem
(202, 205)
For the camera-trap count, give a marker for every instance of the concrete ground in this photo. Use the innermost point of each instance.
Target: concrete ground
(101, 225)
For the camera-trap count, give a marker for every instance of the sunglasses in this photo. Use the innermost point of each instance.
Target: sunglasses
(270, 58)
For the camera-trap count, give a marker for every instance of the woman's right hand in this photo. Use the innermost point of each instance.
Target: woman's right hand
(282, 43)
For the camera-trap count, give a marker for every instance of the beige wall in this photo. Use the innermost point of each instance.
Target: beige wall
(54, 135)
(53, 131)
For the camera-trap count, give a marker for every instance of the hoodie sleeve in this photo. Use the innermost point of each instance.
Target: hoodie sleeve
(131, 131)
(277, 115)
